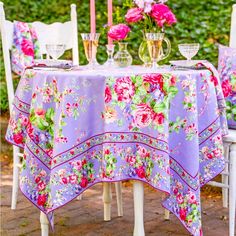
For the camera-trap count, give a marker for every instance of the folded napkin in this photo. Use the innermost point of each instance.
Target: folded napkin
(25, 47)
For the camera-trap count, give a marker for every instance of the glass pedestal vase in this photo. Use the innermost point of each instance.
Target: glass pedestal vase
(123, 58)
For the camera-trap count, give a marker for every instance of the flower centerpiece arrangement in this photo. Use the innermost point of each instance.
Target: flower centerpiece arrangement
(119, 33)
(152, 16)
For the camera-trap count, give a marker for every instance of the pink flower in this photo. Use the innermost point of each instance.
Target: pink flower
(84, 182)
(179, 199)
(131, 160)
(124, 89)
(214, 80)
(64, 180)
(27, 47)
(18, 138)
(217, 152)
(162, 15)
(175, 190)
(146, 5)
(109, 115)
(191, 198)
(37, 179)
(40, 112)
(183, 213)
(159, 118)
(42, 199)
(134, 15)
(22, 26)
(41, 186)
(227, 88)
(154, 79)
(43, 173)
(143, 152)
(173, 81)
(30, 131)
(143, 115)
(25, 121)
(118, 32)
(140, 172)
(73, 179)
(108, 95)
(209, 156)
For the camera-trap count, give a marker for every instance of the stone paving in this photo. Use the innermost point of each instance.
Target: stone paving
(85, 217)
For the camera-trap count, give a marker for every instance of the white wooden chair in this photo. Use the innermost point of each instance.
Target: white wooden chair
(60, 33)
(228, 183)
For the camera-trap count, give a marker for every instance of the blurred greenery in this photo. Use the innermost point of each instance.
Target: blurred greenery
(206, 22)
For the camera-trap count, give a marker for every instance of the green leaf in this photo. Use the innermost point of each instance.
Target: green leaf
(159, 107)
(139, 81)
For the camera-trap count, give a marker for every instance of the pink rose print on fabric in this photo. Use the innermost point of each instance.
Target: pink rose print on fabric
(143, 115)
(159, 118)
(227, 88)
(155, 81)
(42, 199)
(18, 138)
(134, 15)
(124, 89)
(108, 95)
(27, 47)
(140, 172)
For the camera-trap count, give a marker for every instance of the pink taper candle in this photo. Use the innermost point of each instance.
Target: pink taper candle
(109, 4)
(92, 17)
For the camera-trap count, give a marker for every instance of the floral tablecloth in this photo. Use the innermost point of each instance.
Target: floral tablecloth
(82, 127)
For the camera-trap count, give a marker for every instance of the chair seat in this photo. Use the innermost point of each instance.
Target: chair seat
(231, 137)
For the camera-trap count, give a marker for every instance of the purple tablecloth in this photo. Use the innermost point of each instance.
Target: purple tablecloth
(82, 127)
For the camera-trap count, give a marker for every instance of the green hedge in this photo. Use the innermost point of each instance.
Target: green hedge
(206, 22)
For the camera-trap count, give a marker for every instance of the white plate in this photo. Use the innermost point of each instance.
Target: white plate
(52, 62)
(186, 63)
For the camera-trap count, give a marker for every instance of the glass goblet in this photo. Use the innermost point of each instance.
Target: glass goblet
(90, 42)
(55, 50)
(188, 50)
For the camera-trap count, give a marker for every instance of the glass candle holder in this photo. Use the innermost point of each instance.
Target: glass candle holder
(110, 51)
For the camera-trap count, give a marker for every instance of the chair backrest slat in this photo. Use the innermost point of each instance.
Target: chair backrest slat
(232, 42)
(56, 33)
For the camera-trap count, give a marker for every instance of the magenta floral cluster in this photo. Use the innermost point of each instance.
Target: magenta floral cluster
(150, 13)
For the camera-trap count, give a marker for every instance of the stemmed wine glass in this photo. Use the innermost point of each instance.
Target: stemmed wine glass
(188, 50)
(55, 50)
(90, 42)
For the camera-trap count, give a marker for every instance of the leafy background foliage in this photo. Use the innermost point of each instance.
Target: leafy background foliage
(206, 22)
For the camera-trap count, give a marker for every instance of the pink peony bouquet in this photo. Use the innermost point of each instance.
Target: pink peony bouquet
(118, 32)
(152, 14)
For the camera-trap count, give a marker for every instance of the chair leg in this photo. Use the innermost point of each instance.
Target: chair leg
(15, 184)
(107, 197)
(44, 224)
(232, 189)
(118, 186)
(225, 178)
(167, 215)
(138, 208)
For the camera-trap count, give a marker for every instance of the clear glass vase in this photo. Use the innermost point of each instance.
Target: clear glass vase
(123, 58)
